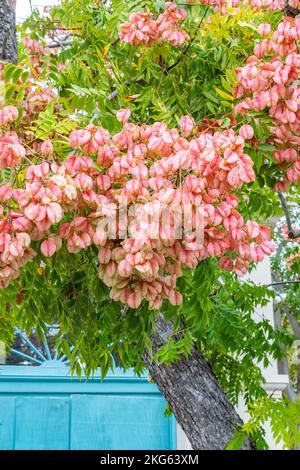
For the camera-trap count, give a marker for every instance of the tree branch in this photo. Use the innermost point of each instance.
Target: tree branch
(294, 324)
(292, 233)
(54, 44)
(281, 283)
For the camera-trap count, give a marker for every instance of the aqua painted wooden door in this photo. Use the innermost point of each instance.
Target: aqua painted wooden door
(119, 422)
(42, 407)
(82, 421)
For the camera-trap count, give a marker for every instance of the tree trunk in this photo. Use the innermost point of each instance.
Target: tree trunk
(200, 406)
(290, 11)
(8, 42)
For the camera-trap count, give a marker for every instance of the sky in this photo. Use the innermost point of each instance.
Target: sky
(24, 8)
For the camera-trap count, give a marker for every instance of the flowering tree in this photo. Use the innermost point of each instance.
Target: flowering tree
(285, 263)
(142, 148)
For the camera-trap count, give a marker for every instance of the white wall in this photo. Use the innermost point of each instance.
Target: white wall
(23, 9)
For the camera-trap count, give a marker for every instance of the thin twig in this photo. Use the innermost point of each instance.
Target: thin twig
(281, 283)
(184, 52)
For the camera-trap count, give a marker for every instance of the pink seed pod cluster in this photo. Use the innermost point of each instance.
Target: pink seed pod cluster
(15, 249)
(224, 6)
(33, 46)
(14, 253)
(11, 150)
(8, 114)
(142, 29)
(36, 94)
(268, 82)
(140, 171)
(36, 51)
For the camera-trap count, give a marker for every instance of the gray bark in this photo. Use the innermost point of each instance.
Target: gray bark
(199, 404)
(8, 41)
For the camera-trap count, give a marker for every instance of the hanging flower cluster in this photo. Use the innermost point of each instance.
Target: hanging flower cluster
(142, 29)
(11, 150)
(224, 5)
(36, 52)
(148, 168)
(268, 81)
(16, 148)
(36, 96)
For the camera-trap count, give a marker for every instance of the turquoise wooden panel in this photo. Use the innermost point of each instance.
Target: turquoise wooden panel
(120, 423)
(7, 423)
(42, 423)
(45, 408)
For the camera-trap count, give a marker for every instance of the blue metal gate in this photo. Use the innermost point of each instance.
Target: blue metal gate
(43, 407)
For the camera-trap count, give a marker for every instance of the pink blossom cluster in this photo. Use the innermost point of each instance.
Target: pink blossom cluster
(142, 29)
(149, 165)
(269, 81)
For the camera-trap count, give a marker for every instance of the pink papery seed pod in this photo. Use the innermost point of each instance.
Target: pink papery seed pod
(50, 246)
(246, 132)
(79, 137)
(264, 29)
(134, 299)
(104, 255)
(186, 124)
(47, 148)
(175, 298)
(5, 193)
(123, 115)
